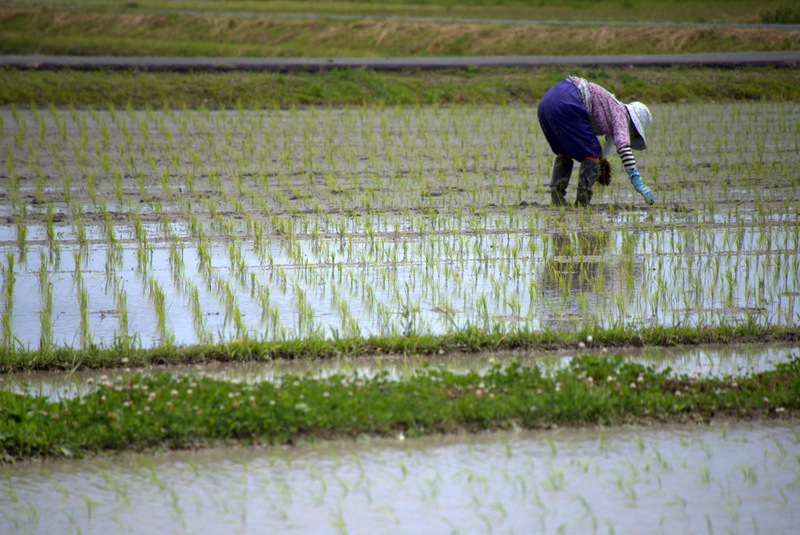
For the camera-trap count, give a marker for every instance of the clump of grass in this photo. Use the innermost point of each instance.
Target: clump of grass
(145, 412)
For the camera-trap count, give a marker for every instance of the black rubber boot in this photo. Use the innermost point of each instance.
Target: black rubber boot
(590, 169)
(562, 169)
(583, 198)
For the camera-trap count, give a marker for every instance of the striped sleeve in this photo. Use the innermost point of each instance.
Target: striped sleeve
(626, 155)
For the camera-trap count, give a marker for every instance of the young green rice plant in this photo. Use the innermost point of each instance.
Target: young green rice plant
(22, 230)
(21, 123)
(46, 309)
(9, 279)
(121, 302)
(201, 331)
(158, 298)
(54, 247)
(83, 299)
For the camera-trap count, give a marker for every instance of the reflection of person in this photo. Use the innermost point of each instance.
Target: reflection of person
(572, 114)
(573, 272)
(581, 278)
(576, 258)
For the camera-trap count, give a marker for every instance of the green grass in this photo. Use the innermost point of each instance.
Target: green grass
(470, 339)
(75, 32)
(164, 411)
(738, 11)
(359, 86)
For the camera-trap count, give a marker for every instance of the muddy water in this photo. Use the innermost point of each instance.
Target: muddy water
(199, 226)
(739, 478)
(733, 360)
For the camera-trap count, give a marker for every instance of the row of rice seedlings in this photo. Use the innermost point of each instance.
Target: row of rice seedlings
(180, 279)
(150, 283)
(19, 208)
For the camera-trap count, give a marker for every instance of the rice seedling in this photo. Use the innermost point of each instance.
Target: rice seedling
(46, 310)
(83, 299)
(8, 300)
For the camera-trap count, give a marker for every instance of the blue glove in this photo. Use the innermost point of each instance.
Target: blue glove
(636, 182)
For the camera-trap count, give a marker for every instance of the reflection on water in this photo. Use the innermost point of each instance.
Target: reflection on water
(548, 279)
(739, 478)
(735, 360)
(582, 273)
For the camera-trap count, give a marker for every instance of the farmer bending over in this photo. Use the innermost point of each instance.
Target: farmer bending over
(572, 114)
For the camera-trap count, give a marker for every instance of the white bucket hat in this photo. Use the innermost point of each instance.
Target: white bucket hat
(641, 118)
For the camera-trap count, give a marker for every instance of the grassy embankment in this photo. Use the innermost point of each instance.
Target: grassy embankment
(358, 87)
(41, 31)
(164, 411)
(469, 339)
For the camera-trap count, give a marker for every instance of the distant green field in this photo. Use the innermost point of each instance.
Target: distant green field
(726, 11)
(356, 87)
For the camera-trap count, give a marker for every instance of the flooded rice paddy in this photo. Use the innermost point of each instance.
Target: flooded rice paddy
(182, 227)
(722, 478)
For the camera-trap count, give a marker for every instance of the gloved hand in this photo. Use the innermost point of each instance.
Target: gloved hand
(636, 182)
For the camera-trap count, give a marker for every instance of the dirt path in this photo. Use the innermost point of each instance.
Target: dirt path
(729, 59)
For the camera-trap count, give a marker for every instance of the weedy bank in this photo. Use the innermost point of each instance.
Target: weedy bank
(164, 411)
(359, 87)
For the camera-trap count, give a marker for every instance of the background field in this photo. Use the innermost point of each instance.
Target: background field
(293, 29)
(719, 11)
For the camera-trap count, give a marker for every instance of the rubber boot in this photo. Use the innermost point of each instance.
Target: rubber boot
(562, 169)
(590, 170)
